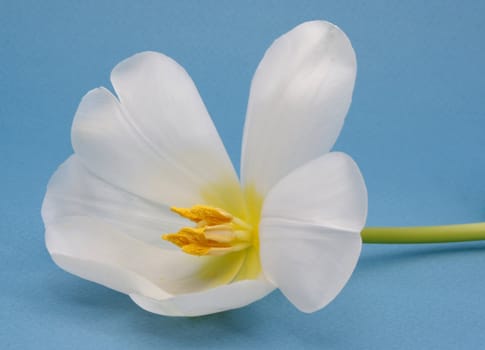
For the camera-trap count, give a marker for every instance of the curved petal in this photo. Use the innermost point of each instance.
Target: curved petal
(124, 281)
(299, 97)
(231, 296)
(95, 250)
(74, 191)
(310, 230)
(158, 141)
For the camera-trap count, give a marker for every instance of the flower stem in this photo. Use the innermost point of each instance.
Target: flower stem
(425, 234)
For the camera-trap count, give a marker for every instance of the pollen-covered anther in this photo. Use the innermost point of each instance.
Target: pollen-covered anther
(217, 232)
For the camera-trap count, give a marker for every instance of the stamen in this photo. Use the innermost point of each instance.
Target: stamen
(217, 232)
(211, 216)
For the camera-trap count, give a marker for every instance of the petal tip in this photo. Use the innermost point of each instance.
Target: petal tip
(139, 59)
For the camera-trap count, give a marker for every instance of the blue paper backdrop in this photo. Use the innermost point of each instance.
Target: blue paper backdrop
(415, 128)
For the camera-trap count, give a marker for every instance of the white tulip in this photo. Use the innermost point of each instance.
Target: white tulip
(149, 159)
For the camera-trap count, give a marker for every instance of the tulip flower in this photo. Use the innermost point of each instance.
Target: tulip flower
(150, 205)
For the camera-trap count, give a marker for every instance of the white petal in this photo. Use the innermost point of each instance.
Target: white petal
(121, 280)
(158, 141)
(95, 250)
(299, 97)
(327, 191)
(310, 230)
(231, 296)
(74, 191)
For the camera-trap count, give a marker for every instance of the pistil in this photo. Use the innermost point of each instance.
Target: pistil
(216, 232)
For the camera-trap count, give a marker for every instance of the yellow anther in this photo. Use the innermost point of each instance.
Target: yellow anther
(210, 215)
(216, 233)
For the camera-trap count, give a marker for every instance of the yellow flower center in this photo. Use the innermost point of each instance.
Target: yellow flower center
(216, 232)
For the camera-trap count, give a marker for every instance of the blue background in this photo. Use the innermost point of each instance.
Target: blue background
(415, 128)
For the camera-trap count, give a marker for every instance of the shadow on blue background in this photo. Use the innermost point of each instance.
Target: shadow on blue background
(415, 128)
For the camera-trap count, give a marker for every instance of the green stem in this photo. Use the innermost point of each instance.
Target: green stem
(424, 234)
